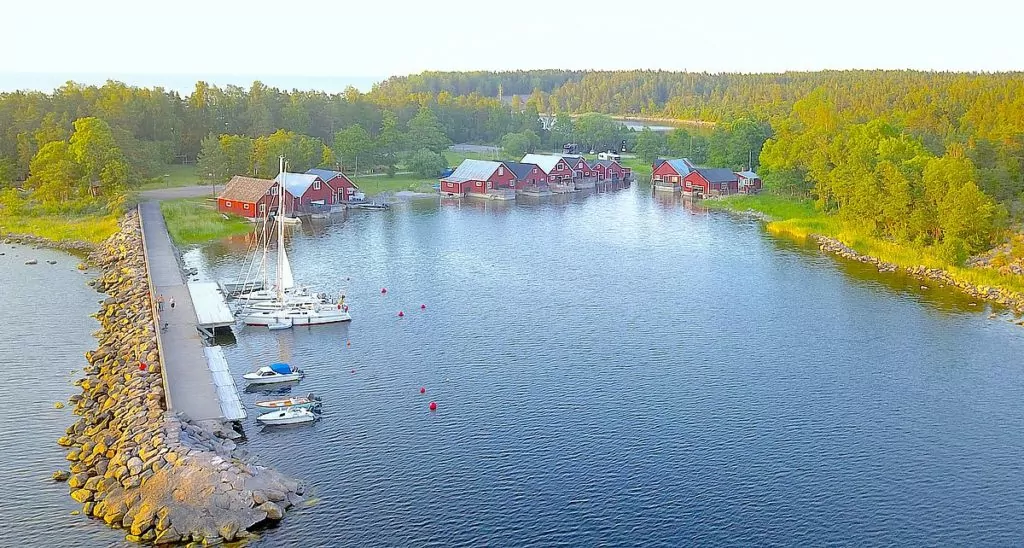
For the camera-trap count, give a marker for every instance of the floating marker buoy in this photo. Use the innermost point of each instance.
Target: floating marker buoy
(353, 371)
(348, 343)
(383, 290)
(401, 314)
(423, 307)
(423, 390)
(433, 406)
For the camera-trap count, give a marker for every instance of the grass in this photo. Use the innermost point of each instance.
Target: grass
(87, 228)
(195, 220)
(175, 175)
(377, 184)
(799, 219)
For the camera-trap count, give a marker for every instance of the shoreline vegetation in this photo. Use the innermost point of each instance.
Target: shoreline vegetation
(798, 219)
(161, 476)
(196, 220)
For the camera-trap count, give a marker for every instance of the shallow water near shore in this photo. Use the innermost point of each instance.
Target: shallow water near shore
(609, 369)
(45, 331)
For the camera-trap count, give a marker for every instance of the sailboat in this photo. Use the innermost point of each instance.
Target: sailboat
(280, 312)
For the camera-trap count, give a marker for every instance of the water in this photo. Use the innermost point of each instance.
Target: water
(621, 370)
(45, 332)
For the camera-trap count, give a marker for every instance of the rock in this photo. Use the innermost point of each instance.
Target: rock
(259, 498)
(51, 262)
(78, 480)
(168, 536)
(32, 261)
(58, 405)
(229, 530)
(60, 475)
(82, 495)
(135, 466)
(274, 512)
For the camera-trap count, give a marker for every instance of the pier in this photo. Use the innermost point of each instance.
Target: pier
(190, 382)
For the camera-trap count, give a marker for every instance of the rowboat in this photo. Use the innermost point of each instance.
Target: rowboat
(297, 402)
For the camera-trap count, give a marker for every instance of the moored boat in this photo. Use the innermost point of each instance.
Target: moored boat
(275, 372)
(309, 401)
(288, 415)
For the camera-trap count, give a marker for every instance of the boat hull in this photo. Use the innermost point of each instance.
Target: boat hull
(296, 317)
(272, 380)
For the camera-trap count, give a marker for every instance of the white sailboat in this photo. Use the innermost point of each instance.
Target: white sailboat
(279, 311)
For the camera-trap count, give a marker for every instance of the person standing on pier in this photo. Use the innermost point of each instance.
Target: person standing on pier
(171, 301)
(160, 301)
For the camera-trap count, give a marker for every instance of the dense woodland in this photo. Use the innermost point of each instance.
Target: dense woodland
(930, 159)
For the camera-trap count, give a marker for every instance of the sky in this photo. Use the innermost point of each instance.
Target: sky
(336, 42)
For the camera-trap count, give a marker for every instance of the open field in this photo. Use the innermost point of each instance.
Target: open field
(193, 220)
(173, 176)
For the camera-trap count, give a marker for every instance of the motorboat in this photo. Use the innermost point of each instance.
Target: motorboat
(288, 415)
(296, 402)
(273, 373)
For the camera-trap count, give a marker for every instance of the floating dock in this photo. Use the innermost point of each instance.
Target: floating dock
(227, 393)
(212, 312)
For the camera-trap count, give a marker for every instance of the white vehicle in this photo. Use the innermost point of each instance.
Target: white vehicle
(609, 156)
(274, 373)
(288, 415)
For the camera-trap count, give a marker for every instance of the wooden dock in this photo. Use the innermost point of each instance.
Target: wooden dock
(188, 378)
(212, 312)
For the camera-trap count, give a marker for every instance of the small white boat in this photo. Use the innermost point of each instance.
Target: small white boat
(296, 402)
(284, 323)
(275, 372)
(288, 415)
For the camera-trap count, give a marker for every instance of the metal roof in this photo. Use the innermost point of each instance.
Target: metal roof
(520, 169)
(297, 183)
(326, 175)
(682, 166)
(717, 174)
(473, 170)
(573, 161)
(546, 162)
(605, 163)
(748, 175)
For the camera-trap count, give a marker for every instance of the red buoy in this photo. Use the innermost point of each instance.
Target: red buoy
(401, 314)
(142, 366)
(423, 307)
(348, 343)
(383, 290)
(423, 390)
(433, 406)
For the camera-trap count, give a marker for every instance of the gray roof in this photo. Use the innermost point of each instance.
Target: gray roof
(520, 169)
(473, 170)
(748, 175)
(327, 174)
(297, 183)
(605, 163)
(717, 174)
(573, 160)
(546, 162)
(682, 166)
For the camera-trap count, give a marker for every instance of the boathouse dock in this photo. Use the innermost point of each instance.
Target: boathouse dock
(196, 379)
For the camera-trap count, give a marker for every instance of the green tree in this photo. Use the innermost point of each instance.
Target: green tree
(426, 132)
(55, 176)
(388, 143)
(649, 145)
(426, 163)
(92, 147)
(352, 146)
(516, 145)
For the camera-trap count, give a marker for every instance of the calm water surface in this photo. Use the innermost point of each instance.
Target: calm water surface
(621, 370)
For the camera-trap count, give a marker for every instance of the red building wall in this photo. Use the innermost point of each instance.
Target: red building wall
(454, 188)
(536, 177)
(696, 180)
(666, 172)
(345, 187)
(582, 166)
(503, 177)
(313, 194)
(234, 207)
(561, 172)
(615, 170)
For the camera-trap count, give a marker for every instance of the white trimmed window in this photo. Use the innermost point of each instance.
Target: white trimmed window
(501, 170)
(227, 204)
(316, 185)
(263, 208)
(245, 206)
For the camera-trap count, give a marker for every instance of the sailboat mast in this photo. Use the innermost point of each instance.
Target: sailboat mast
(280, 233)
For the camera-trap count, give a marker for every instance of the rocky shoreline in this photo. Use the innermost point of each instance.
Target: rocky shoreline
(160, 476)
(74, 246)
(1009, 299)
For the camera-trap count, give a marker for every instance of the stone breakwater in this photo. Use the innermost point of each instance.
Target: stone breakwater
(75, 246)
(1009, 299)
(160, 476)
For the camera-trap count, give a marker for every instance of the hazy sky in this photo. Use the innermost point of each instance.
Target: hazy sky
(380, 37)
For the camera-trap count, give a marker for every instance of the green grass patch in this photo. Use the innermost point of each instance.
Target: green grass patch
(377, 184)
(87, 228)
(799, 219)
(195, 220)
(175, 175)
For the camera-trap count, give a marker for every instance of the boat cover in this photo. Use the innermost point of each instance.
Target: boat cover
(281, 368)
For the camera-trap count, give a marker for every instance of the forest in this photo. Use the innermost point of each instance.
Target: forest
(932, 159)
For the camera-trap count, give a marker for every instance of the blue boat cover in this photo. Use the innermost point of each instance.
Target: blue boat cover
(281, 368)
